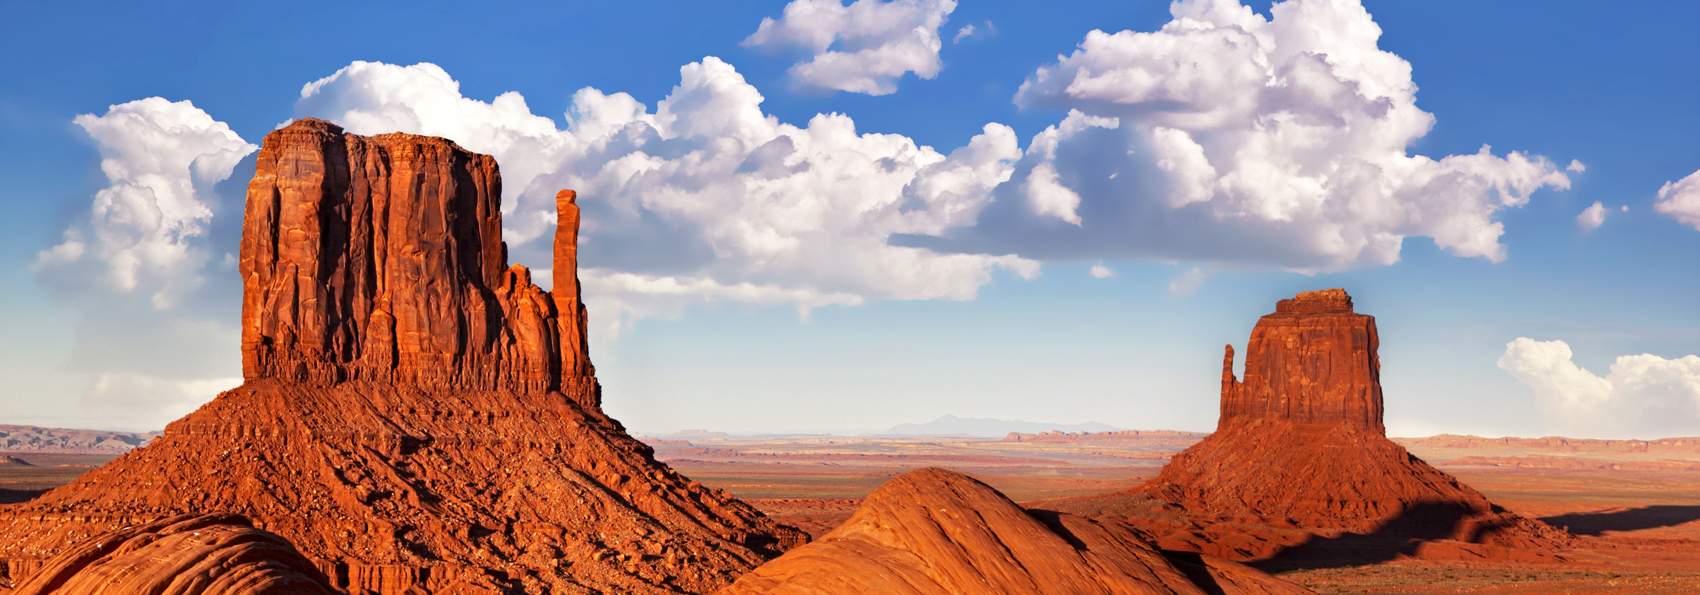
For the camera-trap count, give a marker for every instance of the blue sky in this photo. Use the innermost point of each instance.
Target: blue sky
(864, 281)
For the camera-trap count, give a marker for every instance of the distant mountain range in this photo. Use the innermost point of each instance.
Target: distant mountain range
(951, 425)
(34, 439)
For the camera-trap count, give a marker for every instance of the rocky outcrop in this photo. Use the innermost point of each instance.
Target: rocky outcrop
(1311, 362)
(932, 531)
(11, 461)
(417, 413)
(1300, 452)
(217, 554)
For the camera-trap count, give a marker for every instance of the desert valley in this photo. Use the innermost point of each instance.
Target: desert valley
(417, 416)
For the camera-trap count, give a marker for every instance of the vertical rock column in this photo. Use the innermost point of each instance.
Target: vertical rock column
(578, 376)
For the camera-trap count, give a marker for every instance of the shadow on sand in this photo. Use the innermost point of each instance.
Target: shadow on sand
(1645, 517)
(1400, 536)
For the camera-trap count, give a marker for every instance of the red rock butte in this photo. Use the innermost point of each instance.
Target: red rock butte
(1301, 452)
(417, 415)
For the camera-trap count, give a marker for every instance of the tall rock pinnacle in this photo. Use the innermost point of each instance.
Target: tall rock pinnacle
(569, 299)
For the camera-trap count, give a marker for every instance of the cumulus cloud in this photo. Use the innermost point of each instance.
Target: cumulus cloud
(861, 48)
(145, 271)
(1099, 271)
(1643, 396)
(1231, 138)
(706, 197)
(1592, 217)
(1681, 200)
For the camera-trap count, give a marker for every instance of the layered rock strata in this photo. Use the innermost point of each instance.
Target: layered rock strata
(935, 532)
(417, 414)
(1300, 456)
(217, 554)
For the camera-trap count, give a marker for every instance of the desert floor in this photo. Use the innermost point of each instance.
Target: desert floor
(1643, 523)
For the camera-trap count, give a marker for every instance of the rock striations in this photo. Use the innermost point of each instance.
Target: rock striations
(934, 532)
(216, 554)
(1300, 451)
(417, 416)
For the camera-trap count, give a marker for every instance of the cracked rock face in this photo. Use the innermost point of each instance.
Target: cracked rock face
(417, 414)
(933, 531)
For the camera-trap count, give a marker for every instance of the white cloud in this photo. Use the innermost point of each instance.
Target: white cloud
(1227, 137)
(966, 31)
(1185, 283)
(1048, 197)
(1592, 217)
(1681, 200)
(876, 42)
(1643, 396)
(707, 197)
(1577, 166)
(970, 31)
(1099, 271)
(154, 295)
(158, 156)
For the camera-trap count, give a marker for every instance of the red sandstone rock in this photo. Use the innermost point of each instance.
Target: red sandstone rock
(381, 258)
(218, 554)
(413, 417)
(936, 532)
(1300, 457)
(1313, 361)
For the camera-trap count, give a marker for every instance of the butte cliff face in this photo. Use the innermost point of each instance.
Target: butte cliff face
(934, 532)
(1300, 452)
(381, 259)
(1312, 362)
(417, 414)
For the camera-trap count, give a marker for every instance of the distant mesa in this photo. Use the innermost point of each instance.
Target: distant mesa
(39, 440)
(1152, 439)
(11, 461)
(951, 425)
(1300, 451)
(688, 434)
(417, 414)
(935, 532)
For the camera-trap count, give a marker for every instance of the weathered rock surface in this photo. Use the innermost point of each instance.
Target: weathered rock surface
(417, 414)
(1300, 456)
(932, 531)
(1311, 362)
(217, 554)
